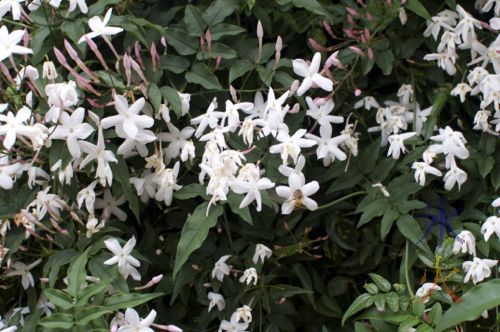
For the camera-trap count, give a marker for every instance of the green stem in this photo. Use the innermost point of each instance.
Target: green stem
(341, 199)
(410, 290)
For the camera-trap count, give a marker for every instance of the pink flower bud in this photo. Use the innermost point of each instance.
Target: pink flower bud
(319, 101)
(260, 31)
(294, 87)
(357, 92)
(370, 54)
(367, 34)
(208, 37)
(317, 46)
(356, 50)
(328, 29)
(163, 42)
(352, 11)
(60, 57)
(137, 51)
(350, 20)
(127, 66)
(369, 17)
(295, 109)
(157, 279)
(155, 57)
(232, 91)
(202, 44)
(349, 33)
(279, 45)
(217, 61)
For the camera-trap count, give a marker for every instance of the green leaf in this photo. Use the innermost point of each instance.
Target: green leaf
(375, 208)
(279, 291)
(219, 10)
(200, 74)
(59, 298)
(191, 190)
(223, 29)
(120, 171)
(99, 7)
(174, 63)
(111, 80)
(410, 229)
(436, 313)
(392, 301)
(485, 164)
(381, 283)
(55, 262)
(218, 49)
(73, 29)
(173, 99)
(194, 21)
(407, 206)
(386, 223)
(362, 302)
(360, 327)
(37, 43)
(89, 291)
(91, 313)
(77, 273)
(154, 95)
(478, 299)
(234, 201)
(385, 61)
(57, 320)
(419, 9)
(123, 301)
(311, 5)
(195, 232)
(183, 43)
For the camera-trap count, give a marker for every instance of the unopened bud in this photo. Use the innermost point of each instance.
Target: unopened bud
(49, 70)
(232, 91)
(294, 87)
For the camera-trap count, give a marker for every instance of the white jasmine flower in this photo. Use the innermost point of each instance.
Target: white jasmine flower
(461, 90)
(478, 269)
(231, 114)
(9, 43)
(23, 270)
(103, 157)
(72, 129)
(185, 99)
(110, 205)
(322, 113)
(188, 151)
(297, 194)
(93, 226)
(424, 290)
(14, 125)
(252, 190)
(481, 120)
(261, 253)
(397, 144)
(421, 168)
(87, 195)
(311, 75)
(177, 139)
(135, 324)
(33, 173)
(328, 146)
(14, 6)
(126, 262)
(466, 25)
(221, 268)
(454, 175)
(469, 243)
(64, 175)
(8, 172)
(234, 324)
(249, 275)
(49, 70)
(45, 202)
(367, 102)
(81, 4)
(290, 146)
(490, 226)
(495, 23)
(286, 171)
(216, 300)
(496, 202)
(60, 96)
(128, 122)
(167, 183)
(99, 27)
(452, 143)
(444, 61)
(209, 119)
(245, 314)
(29, 72)
(446, 19)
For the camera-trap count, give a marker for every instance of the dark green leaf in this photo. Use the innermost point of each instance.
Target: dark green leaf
(90, 313)
(419, 9)
(173, 99)
(174, 63)
(120, 171)
(375, 208)
(194, 21)
(240, 68)
(57, 320)
(123, 301)
(385, 61)
(386, 223)
(77, 273)
(195, 232)
(362, 302)
(59, 298)
(279, 291)
(381, 283)
(154, 95)
(219, 10)
(200, 74)
(183, 43)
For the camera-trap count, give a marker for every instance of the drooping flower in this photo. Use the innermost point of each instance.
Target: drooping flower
(216, 300)
(478, 269)
(424, 290)
(261, 253)
(221, 268)
(135, 324)
(469, 243)
(23, 270)
(490, 226)
(99, 27)
(233, 325)
(396, 142)
(421, 168)
(249, 275)
(126, 262)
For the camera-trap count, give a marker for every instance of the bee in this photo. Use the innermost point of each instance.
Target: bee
(298, 196)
